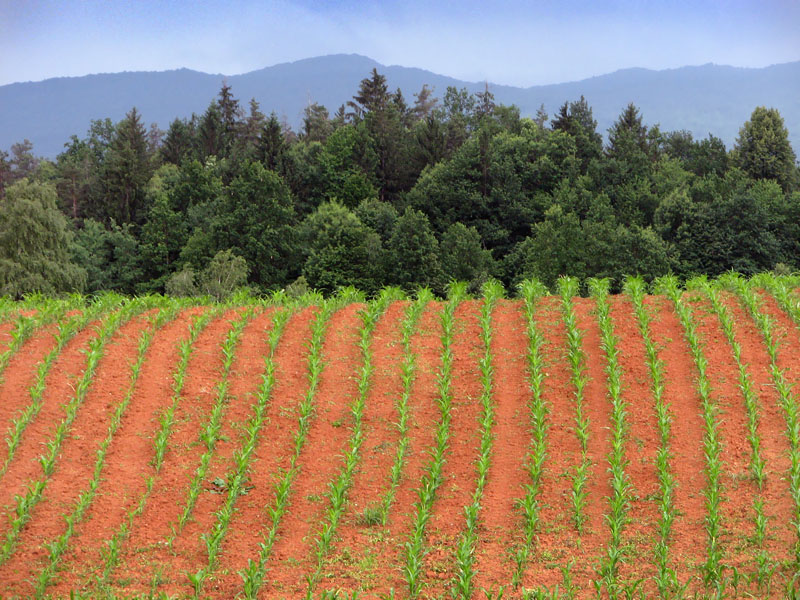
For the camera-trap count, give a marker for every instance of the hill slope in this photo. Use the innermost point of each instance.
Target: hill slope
(704, 99)
(294, 443)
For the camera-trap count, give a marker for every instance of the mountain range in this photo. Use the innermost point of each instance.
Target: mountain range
(701, 99)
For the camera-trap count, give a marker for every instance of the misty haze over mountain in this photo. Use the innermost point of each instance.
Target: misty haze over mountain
(701, 99)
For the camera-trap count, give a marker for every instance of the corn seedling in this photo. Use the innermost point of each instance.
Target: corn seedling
(432, 478)
(568, 288)
(463, 586)
(665, 578)
(408, 373)
(532, 291)
(712, 443)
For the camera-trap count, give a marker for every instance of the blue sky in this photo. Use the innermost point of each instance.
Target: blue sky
(506, 42)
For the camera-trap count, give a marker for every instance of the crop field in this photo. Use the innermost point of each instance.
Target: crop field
(540, 444)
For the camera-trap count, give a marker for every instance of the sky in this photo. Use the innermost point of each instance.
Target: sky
(505, 42)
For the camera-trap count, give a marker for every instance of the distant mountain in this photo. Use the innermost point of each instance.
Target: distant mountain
(705, 99)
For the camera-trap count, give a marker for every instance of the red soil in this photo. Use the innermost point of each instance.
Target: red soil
(772, 430)
(688, 545)
(642, 444)
(557, 539)
(6, 328)
(19, 376)
(387, 545)
(166, 501)
(60, 382)
(377, 457)
(371, 558)
(188, 552)
(76, 461)
(128, 457)
(501, 523)
(272, 454)
(459, 475)
(321, 460)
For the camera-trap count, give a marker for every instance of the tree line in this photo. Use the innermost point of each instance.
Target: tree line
(387, 192)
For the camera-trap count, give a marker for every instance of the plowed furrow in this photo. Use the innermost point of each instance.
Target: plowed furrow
(557, 538)
(501, 524)
(778, 505)
(271, 456)
(18, 377)
(188, 552)
(642, 444)
(59, 387)
(387, 547)
(597, 407)
(76, 459)
(150, 531)
(128, 460)
(321, 459)
(352, 564)
(688, 544)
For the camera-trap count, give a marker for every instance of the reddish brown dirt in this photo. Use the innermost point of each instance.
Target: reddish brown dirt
(344, 568)
(371, 558)
(642, 444)
(739, 486)
(772, 430)
(188, 552)
(76, 460)
(688, 546)
(597, 407)
(787, 332)
(501, 523)
(387, 545)
(321, 460)
(557, 539)
(61, 380)
(459, 475)
(272, 454)
(128, 458)
(19, 375)
(167, 498)
(6, 328)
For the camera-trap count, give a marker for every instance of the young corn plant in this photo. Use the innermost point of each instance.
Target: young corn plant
(463, 586)
(338, 489)
(24, 327)
(66, 330)
(665, 578)
(429, 484)
(237, 478)
(32, 496)
(532, 291)
(209, 435)
(58, 546)
(255, 572)
(619, 502)
(758, 463)
(788, 400)
(408, 372)
(568, 289)
(712, 443)
(160, 445)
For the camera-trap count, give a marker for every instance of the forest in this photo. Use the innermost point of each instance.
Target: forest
(389, 191)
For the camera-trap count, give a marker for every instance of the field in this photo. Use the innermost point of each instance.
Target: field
(636, 445)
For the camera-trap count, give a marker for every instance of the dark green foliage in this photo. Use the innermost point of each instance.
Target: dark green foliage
(127, 167)
(341, 250)
(464, 258)
(763, 150)
(413, 253)
(410, 193)
(110, 257)
(34, 243)
(255, 218)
